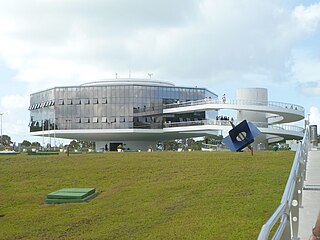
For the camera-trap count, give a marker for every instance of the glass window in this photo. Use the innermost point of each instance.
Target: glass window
(77, 101)
(86, 101)
(104, 119)
(112, 119)
(104, 101)
(69, 101)
(95, 101)
(129, 119)
(85, 120)
(78, 120)
(95, 119)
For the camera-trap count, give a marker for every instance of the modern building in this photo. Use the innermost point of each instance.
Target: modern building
(113, 112)
(138, 113)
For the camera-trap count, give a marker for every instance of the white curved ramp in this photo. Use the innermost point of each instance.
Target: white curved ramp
(293, 133)
(277, 112)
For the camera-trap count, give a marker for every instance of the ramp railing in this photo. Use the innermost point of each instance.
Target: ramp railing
(287, 213)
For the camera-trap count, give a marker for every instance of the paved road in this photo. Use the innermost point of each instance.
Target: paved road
(310, 196)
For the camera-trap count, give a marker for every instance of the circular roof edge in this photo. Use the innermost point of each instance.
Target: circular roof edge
(129, 81)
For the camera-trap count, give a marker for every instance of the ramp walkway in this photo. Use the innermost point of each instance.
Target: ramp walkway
(310, 196)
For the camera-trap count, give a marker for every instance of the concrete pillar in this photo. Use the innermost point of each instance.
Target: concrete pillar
(314, 135)
(254, 96)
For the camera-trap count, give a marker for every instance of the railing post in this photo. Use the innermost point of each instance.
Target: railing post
(294, 213)
(287, 230)
(299, 189)
(305, 159)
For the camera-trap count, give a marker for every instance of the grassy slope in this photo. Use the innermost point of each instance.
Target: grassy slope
(165, 195)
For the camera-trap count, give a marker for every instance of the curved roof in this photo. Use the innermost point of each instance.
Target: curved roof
(129, 81)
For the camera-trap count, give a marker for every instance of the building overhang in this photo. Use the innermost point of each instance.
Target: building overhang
(128, 134)
(155, 134)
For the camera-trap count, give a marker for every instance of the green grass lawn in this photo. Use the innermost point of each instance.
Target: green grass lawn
(160, 195)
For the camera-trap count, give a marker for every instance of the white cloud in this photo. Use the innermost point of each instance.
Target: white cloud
(309, 89)
(204, 42)
(15, 116)
(181, 39)
(306, 69)
(14, 102)
(308, 17)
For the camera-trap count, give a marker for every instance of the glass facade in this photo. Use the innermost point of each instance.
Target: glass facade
(123, 106)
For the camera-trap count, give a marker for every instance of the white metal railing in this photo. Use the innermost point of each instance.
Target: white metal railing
(235, 102)
(287, 127)
(287, 213)
(227, 123)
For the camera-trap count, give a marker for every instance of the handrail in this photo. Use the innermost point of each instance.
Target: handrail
(288, 210)
(227, 123)
(235, 102)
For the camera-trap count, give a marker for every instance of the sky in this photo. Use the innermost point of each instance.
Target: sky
(222, 45)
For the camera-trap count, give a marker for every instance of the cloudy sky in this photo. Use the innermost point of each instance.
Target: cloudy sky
(219, 44)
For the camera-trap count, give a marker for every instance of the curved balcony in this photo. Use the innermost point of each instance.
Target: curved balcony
(277, 112)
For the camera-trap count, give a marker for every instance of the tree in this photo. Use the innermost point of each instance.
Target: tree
(85, 144)
(74, 144)
(213, 139)
(196, 145)
(5, 140)
(170, 145)
(26, 143)
(35, 144)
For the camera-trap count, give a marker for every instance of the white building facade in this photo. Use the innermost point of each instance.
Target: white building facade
(138, 113)
(113, 112)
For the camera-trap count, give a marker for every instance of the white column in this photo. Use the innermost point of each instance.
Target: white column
(256, 96)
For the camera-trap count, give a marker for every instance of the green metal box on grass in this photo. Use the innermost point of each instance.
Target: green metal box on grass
(71, 195)
(43, 153)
